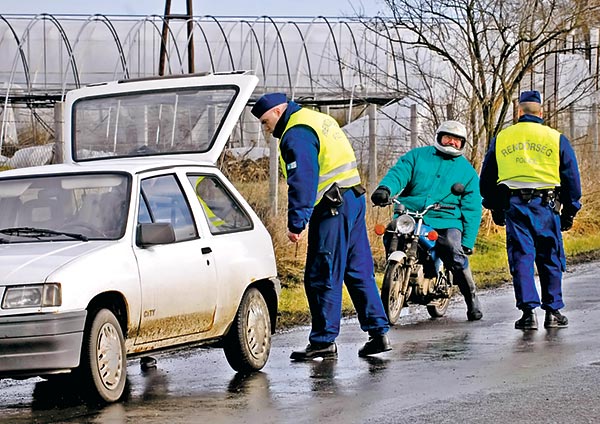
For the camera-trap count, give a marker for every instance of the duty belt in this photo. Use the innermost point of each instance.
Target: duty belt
(526, 194)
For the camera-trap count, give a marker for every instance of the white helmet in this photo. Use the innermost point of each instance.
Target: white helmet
(456, 129)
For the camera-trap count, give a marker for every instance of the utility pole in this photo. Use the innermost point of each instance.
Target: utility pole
(188, 17)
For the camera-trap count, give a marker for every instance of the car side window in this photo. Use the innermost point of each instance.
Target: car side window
(162, 200)
(223, 213)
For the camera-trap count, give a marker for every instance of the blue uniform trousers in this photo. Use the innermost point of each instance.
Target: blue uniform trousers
(533, 237)
(339, 252)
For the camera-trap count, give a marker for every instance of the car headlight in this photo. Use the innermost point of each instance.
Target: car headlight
(405, 224)
(31, 296)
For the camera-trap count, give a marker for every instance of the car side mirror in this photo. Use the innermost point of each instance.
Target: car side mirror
(154, 233)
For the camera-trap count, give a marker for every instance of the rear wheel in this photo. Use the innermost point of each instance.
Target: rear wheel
(439, 307)
(103, 365)
(391, 290)
(248, 343)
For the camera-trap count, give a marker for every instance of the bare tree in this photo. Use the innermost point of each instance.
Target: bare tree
(477, 55)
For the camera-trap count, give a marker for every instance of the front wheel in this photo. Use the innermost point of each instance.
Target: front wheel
(391, 290)
(438, 307)
(103, 365)
(248, 343)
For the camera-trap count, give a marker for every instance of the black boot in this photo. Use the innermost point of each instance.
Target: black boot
(528, 321)
(375, 344)
(315, 350)
(464, 280)
(554, 319)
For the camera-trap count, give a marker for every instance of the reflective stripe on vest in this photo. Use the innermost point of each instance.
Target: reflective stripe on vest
(337, 162)
(212, 217)
(528, 155)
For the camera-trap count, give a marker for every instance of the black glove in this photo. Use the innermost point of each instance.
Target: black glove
(498, 216)
(566, 222)
(467, 250)
(381, 196)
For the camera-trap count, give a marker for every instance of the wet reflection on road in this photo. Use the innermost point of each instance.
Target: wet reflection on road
(432, 361)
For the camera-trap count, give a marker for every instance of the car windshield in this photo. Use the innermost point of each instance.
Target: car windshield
(64, 207)
(150, 123)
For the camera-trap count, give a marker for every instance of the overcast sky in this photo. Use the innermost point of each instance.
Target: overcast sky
(345, 8)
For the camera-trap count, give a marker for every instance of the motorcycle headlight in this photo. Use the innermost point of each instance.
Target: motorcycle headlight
(405, 224)
(32, 296)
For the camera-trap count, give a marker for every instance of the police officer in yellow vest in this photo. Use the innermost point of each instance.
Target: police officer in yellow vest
(325, 194)
(529, 171)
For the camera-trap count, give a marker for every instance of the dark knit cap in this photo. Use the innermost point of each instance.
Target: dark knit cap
(266, 102)
(530, 96)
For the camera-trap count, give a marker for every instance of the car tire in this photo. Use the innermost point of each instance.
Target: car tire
(103, 367)
(248, 342)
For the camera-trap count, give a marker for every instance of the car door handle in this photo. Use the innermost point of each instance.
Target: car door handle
(206, 250)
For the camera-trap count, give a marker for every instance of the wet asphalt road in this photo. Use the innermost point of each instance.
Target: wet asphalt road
(445, 370)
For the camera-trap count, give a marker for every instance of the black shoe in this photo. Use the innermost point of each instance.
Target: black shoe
(528, 321)
(474, 315)
(315, 350)
(554, 319)
(376, 344)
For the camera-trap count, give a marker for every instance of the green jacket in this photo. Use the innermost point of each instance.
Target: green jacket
(424, 176)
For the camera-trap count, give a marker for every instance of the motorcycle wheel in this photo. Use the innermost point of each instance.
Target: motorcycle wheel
(393, 300)
(439, 307)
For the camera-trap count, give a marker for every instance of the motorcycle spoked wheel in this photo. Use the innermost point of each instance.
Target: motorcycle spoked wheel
(392, 299)
(439, 307)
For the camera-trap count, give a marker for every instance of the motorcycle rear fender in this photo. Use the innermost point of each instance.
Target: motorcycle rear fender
(397, 256)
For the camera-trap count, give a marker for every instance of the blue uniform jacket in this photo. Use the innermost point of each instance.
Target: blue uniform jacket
(299, 149)
(424, 176)
(570, 191)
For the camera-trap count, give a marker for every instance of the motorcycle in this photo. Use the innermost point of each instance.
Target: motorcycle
(414, 274)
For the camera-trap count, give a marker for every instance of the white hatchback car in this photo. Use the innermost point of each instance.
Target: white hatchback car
(137, 242)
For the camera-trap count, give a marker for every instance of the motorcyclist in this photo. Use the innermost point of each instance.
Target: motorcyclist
(425, 175)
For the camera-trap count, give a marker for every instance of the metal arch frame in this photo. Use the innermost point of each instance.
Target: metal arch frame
(135, 27)
(228, 35)
(310, 78)
(25, 72)
(391, 47)
(117, 40)
(403, 56)
(337, 51)
(287, 65)
(63, 35)
(147, 19)
(187, 41)
(210, 55)
(224, 38)
(161, 18)
(21, 53)
(60, 29)
(260, 54)
(103, 19)
(345, 23)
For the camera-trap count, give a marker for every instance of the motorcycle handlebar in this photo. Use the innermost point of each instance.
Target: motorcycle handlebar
(435, 206)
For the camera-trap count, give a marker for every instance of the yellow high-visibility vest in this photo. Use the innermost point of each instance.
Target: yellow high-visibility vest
(337, 162)
(528, 156)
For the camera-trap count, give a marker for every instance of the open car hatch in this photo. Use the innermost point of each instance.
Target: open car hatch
(184, 116)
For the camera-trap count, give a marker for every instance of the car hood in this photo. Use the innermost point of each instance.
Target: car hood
(33, 262)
